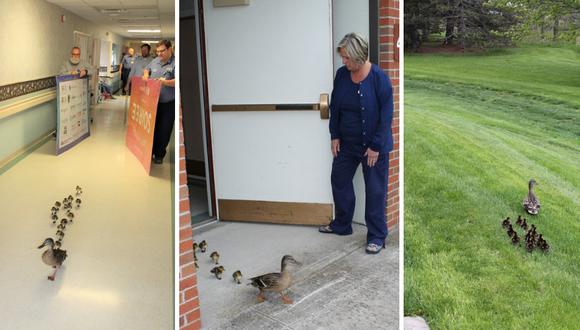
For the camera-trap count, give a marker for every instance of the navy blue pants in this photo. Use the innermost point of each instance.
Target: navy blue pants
(163, 128)
(376, 180)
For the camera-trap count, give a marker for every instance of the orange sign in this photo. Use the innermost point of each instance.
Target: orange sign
(141, 119)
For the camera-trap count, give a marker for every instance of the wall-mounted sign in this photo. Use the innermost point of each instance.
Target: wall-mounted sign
(72, 111)
(141, 119)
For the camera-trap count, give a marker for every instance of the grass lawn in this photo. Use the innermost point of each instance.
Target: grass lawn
(477, 128)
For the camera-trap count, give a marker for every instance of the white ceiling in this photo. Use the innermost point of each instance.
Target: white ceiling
(131, 14)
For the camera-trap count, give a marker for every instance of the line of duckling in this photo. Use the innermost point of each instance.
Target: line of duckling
(532, 239)
(55, 256)
(270, 282)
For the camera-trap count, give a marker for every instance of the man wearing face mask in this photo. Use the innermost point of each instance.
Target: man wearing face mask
(74, 65)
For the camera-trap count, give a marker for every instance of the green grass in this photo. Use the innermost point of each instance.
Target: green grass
(477, 128)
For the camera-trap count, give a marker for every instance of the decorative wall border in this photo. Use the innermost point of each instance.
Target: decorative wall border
(25, 87)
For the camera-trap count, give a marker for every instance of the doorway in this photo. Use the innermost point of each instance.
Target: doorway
(193, 119)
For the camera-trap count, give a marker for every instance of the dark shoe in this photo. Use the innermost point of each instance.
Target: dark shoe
(158, 160)
(373, 248)
(325, 229)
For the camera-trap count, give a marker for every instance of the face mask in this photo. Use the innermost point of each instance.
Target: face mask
(74, 60)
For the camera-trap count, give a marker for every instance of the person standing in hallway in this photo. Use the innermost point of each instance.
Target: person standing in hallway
(126, 65)
(139, 66)
(74, 65)
(361, 113)
(163, 69)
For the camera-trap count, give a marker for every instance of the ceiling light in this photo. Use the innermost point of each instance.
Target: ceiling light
(144, 31)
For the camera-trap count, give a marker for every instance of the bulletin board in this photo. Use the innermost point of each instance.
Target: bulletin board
(72, 114)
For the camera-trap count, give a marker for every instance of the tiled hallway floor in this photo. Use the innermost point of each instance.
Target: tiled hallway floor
(119, 270)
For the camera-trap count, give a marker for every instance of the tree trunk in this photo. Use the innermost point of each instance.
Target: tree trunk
(449, 31)
(556, 28)
(462, 29)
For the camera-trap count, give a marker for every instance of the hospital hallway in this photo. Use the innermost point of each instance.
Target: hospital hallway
(119, 269)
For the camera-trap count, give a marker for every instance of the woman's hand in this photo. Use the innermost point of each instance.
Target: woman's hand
(335, 147)
(372, 157)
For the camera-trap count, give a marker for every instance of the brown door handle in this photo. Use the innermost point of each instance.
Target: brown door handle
(323, 106)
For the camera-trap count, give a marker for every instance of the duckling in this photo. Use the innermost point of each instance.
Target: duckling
(60, 227)
(60, 233)
(215, 256)
(57, 244)
(519, 221)
(531, 203)
(194, 256)
(54, 217)
(539, 240)
(524, 225)
(70, 215)
(53, 210)
(505, 222)
(57, 204)
(237, 275)
(196, 265)
(194, 246)
(203, 246)
(78, 201)
(218, 272)
(70, 198)
(510, 230)
(545, 247)
(64, 221)
(52, 257)
(529, 246)
(515, 239)
(79, 191)
(276, 282)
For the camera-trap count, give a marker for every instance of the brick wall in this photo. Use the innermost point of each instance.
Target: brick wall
(189, 312)
(388, 26)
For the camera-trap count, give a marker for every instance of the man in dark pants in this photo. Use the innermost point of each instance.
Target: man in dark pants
(162, 68)
(126, 65)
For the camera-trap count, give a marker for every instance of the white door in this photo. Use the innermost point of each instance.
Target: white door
(270, 166)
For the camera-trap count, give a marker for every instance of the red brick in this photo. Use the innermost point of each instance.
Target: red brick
(188, 307)
(185, 258)
(183, 205)
(191, 293)
(185, 234)
(182, 177)
(188, 270)
(193, 326)
(183, 192)
(185, 246)
(186, 283)
(193, 316)
(184, 220)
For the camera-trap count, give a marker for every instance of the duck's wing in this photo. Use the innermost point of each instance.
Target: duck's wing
(266, 281)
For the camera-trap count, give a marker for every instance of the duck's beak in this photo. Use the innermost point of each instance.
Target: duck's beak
(42, 245)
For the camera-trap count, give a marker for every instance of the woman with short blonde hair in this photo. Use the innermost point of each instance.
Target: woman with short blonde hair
(361, 113)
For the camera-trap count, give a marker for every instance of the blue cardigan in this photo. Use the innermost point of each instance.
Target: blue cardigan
(376, 98)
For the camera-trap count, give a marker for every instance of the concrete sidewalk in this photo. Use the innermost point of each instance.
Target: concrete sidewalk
(339, 286)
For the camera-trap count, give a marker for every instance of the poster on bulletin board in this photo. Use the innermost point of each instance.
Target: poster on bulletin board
(72, 111)
(141, 119)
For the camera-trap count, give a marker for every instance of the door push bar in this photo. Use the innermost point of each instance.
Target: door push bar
(322, 106)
